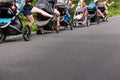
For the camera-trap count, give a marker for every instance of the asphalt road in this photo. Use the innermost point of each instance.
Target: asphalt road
(86, 53)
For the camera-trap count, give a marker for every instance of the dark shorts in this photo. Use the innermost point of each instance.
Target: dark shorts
(27, 11)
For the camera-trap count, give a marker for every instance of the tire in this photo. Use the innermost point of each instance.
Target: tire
(98, 19)
(26, 33)
(71, 25)
(106, 19)
(40, 31)
(54, 26)
(76, 24)
(56, 29)
(88, 21)
(2, 37)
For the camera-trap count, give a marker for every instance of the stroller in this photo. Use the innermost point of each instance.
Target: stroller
(92, 13)
(10, 23)
(45, 24)
(80, 17)
(101, 7)
(64, 15)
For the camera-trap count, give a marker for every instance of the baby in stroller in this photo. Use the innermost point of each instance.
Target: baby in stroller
(63, 8)
(10, 23)
(80, 15)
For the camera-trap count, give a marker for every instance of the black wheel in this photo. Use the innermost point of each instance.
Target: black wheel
(106, 19)
(71, 25)
(26, 33)
(88, 21)
(98, 19)
(40, 30)
(2, 37)
(76, 24)
(56, 29)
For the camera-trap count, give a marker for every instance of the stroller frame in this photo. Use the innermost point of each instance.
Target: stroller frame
(103, 10)
(8, 24)
(93, 16)
(84, 20)
(44, 23)
(64, 14)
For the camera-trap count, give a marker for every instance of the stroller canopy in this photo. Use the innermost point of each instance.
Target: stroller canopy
(92, 6)
(7, 1)
(79, 9)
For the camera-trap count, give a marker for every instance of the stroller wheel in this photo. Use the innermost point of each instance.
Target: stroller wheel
(106, 19)
(2, 37)
(56, 29)
(88, 22)
(71, 25)
(26, 33)
(98, 19)
(40, 31)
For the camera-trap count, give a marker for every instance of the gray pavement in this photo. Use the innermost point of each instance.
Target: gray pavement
(87, 53)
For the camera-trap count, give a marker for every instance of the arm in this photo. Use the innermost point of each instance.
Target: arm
(109, 4)
(81, 3)
(95, 1)
(70, 3)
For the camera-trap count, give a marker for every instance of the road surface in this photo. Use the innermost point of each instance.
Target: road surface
(86, 53)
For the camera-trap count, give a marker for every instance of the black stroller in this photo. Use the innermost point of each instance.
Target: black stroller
(92, 13)
(65, 17)
(101, 7)
(45, 23)
(10, 23)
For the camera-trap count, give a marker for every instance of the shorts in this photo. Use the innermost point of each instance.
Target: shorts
(27, 11)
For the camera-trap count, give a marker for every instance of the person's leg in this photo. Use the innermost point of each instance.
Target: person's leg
(71, 4)
(37, 10)
(101, 14)
(31, 20)
(85, 10)
(29, 16)
(58, 17)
